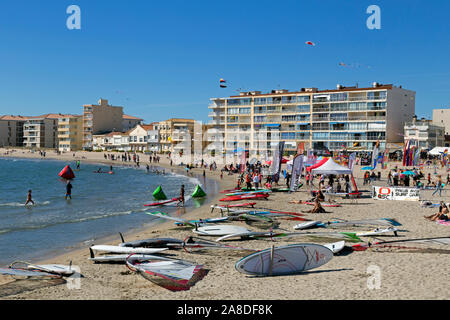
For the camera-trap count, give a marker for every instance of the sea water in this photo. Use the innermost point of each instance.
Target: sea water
(101, 204)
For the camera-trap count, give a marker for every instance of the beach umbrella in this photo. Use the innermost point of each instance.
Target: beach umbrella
(409, 173)
(367, 168)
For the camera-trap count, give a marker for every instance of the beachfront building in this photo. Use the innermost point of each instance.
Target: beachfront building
(111, 141)
(442, 117)
(144, 138)
(130, 122)
(11, 130)
(70, 133)
(335, 119)
(424, 133)
(42, 131)
(175, 135)
(100, 118)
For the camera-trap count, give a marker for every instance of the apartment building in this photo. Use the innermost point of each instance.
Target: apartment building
(70, 133)
(11, 130)
(334, 119)
(425, 134)
(442, 117)
(42, 131)
(100, 118)
(175, 135)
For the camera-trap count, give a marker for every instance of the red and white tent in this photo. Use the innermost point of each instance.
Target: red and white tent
(329, 166)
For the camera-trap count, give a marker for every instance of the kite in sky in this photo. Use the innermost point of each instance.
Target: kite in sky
(223, 83)
(310, 43)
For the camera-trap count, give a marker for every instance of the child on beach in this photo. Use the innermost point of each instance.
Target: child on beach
(181, 198)
(29, 199)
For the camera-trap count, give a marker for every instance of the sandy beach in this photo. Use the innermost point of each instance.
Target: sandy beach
(405, 274)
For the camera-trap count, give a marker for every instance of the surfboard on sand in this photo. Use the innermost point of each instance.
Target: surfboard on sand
(219, 230)
(124, 257)
(335, 247)
(258, 196)
(284, 260)
(160, 203)
(118, 249)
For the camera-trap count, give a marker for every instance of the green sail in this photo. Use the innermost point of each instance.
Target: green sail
(198, 192)
(158, 194)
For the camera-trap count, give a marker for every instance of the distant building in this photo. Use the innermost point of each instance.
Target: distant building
(11, 130)
(442, 117)
(144, 138)
(426, 134)
(112, 141)
(70, 133)
(130, 122)
(176, 135)
(98, 119)
(42, 131)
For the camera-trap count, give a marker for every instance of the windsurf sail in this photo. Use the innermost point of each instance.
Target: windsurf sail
(177, 275)
(437, 240)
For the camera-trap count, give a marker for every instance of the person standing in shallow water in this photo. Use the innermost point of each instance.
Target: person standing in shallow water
(29, 198)
(181, 198)
(68, 190)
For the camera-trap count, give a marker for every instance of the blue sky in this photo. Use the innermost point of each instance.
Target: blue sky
(162, 59)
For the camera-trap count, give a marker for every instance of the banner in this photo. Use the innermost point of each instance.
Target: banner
(243, 163)
(351, 160)
(397, 193)
(301, 148)
(297, 166)
(276, 162)
(310, 158)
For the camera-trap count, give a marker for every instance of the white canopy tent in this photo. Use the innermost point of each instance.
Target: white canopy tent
(436, 151)
(331, 167)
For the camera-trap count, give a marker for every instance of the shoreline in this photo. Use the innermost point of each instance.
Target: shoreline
(406, 275)
(128, 234)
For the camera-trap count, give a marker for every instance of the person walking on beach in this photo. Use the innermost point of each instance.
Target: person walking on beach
(78, 164)
(181, 198)
(438, 186)
(29, 198)
(68, 190)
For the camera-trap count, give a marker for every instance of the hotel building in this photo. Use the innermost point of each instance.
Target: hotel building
(336, 119)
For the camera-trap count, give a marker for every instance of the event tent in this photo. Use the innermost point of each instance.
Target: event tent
(436, 151)
(329, 166)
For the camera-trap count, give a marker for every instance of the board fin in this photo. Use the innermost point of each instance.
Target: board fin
(121, 237)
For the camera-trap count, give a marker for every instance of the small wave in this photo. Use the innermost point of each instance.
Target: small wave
(69, 221)
(19, 204)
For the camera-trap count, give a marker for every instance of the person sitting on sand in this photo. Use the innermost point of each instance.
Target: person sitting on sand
(443, 213)
(317, 207)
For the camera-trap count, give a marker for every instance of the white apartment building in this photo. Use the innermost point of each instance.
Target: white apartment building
(335, 119)
(425, 134)
(442, 117)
